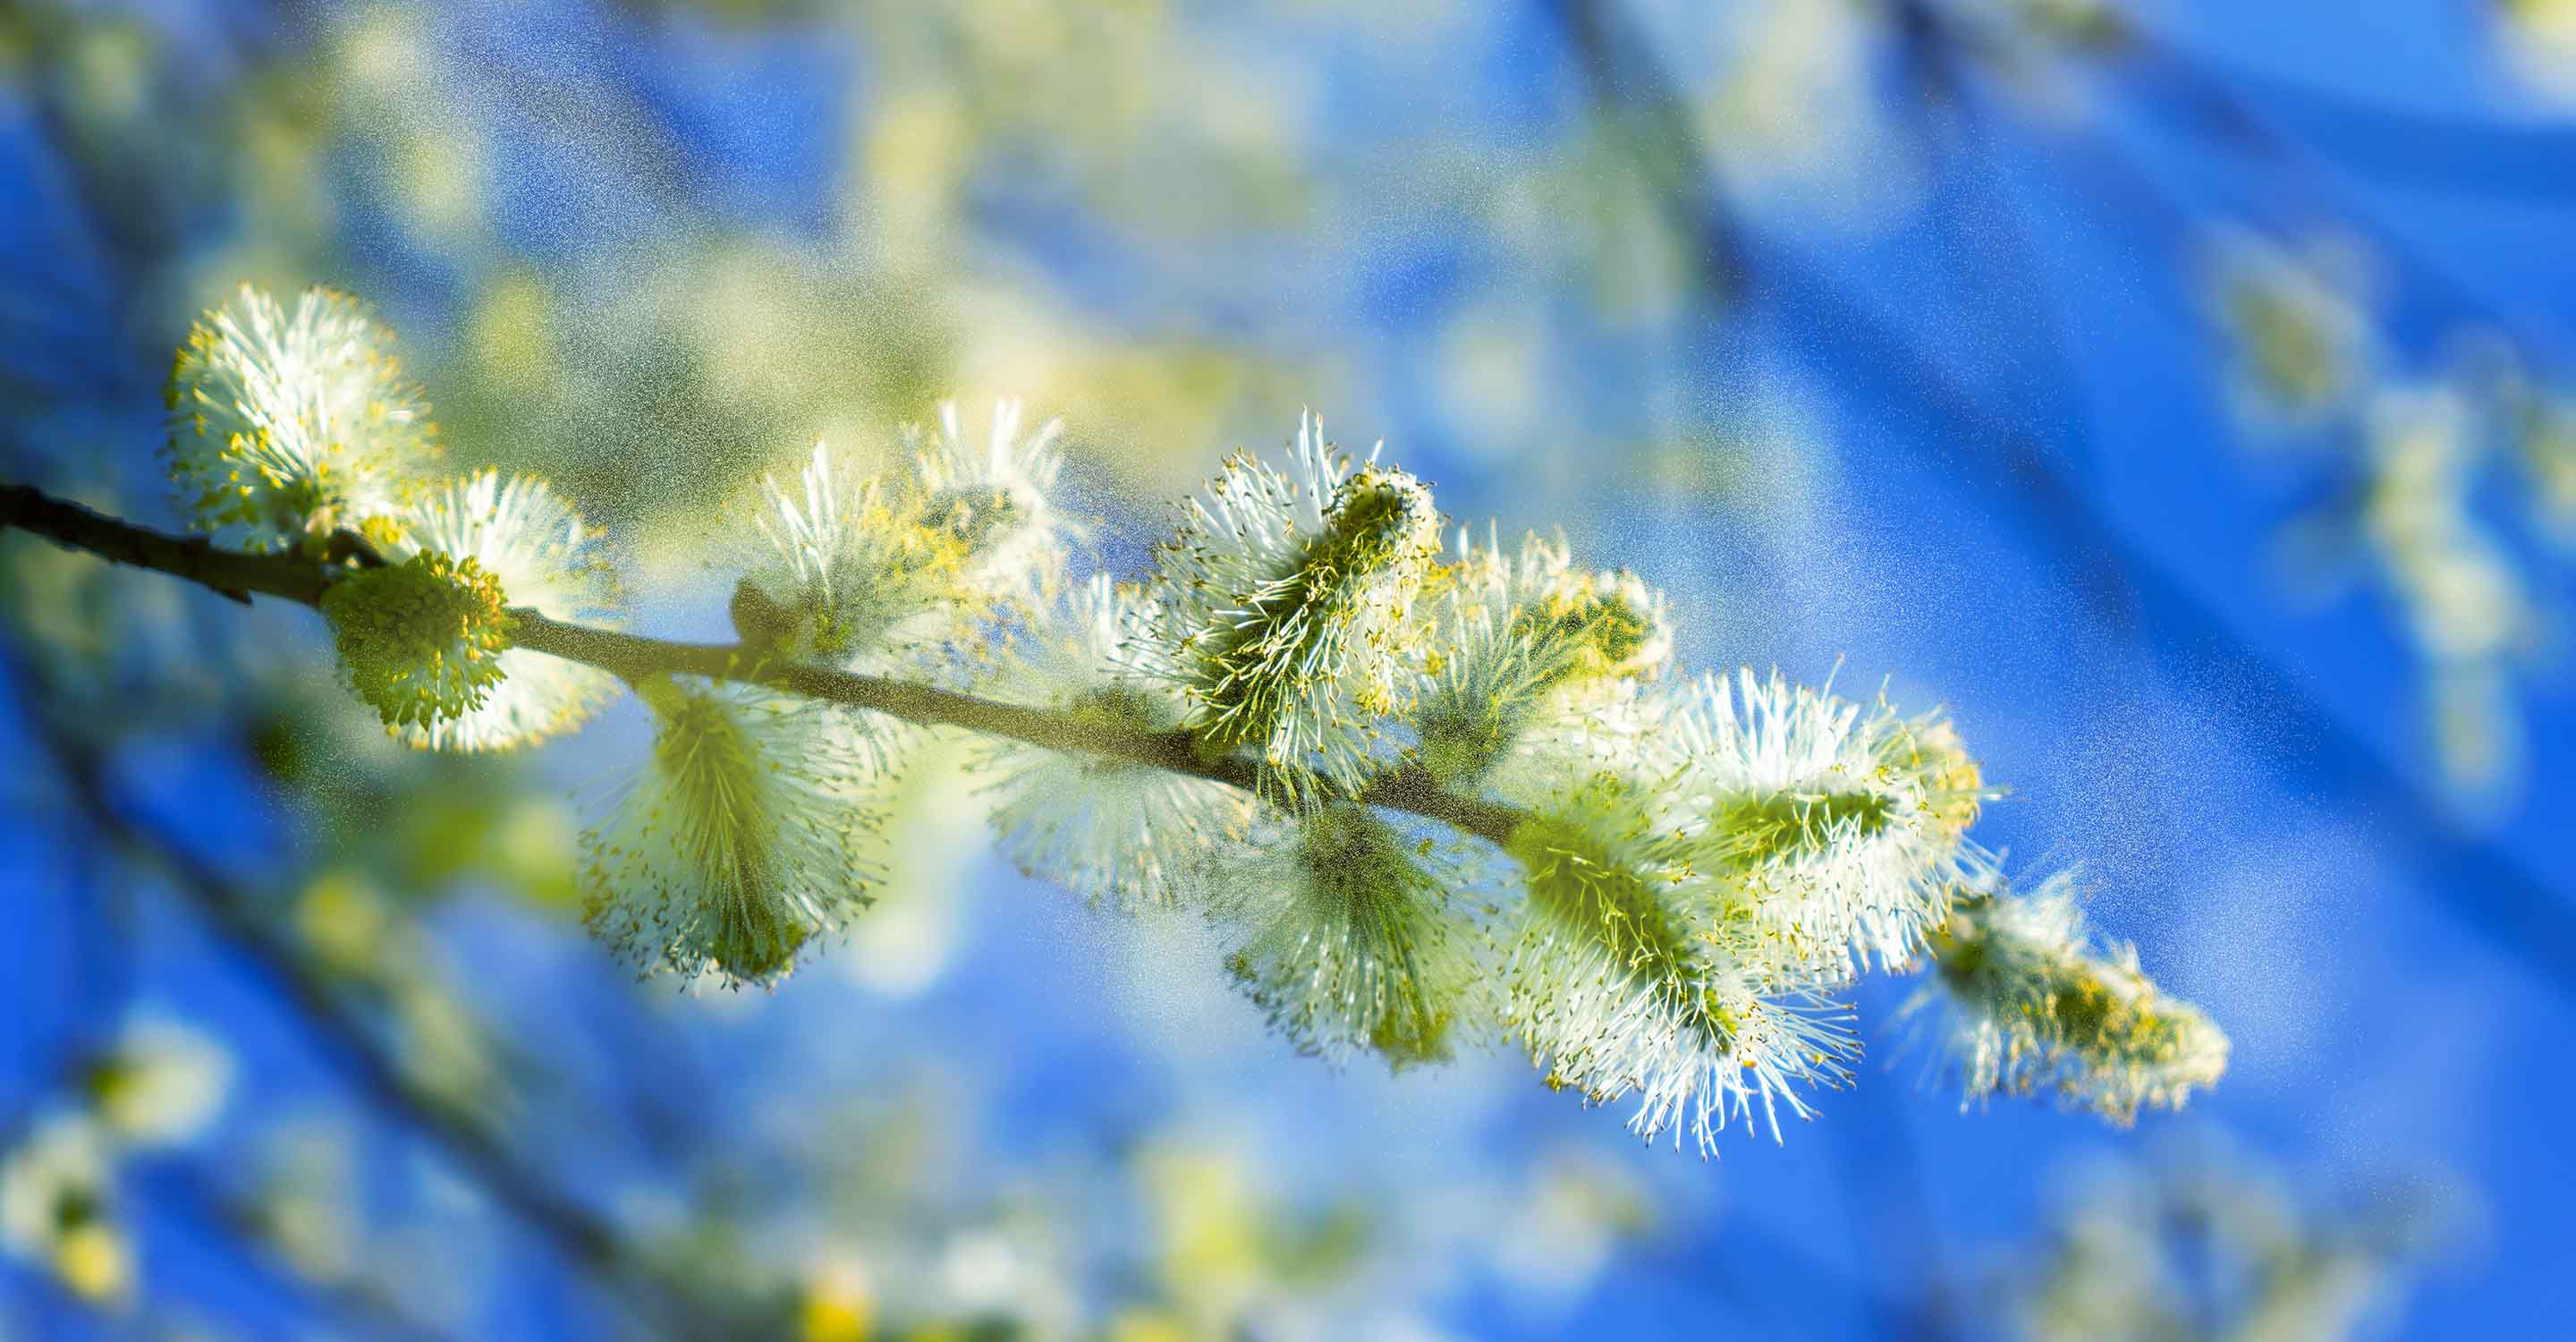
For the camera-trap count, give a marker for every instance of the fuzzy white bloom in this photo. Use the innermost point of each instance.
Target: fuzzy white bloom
(1354, 936)
(528, 539)
(1834, 827)
(1129, 835)
(1524, 648)
(734, 846)
(1284, 601)
(161, 1083)
(998, 496)
(854, 575)
(859, 574)
(57, 1208)
(1614, 994)
(2020, 1005)
(286, 425)
(877, 575)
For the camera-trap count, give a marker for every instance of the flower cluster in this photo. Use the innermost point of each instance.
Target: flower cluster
(1428, 801)
(1678, 880)
(289, 428)
(883, 573)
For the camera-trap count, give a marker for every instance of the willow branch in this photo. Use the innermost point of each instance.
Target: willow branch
(235, 574)
(230, 572)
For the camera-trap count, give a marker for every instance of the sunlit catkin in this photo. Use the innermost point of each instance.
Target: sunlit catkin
(1830, 827)
(1520, 646)
(421, 640)
(1614, 995)
(1284, 601)
(289, 423)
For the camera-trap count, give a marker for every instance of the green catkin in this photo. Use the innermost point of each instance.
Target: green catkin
(1351, 944)
(1520, 644)
(1617, 990)
(735, 846)
(1582, 891)
(2035, 1012)
(714, 767)
(421, 640)
(1312, 623)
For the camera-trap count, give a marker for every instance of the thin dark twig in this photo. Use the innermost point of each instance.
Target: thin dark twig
(233, 574)
(633, 656)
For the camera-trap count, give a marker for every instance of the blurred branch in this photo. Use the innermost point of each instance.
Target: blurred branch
(467, 1140)
(1656, 123)
(2009, 277)
(632, 656)
(2489, 890)
(2521, 163)
(2206, 104)
(364, 1302)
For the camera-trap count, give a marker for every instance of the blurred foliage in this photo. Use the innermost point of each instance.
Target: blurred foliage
(2444, 483)
(2203, 1243)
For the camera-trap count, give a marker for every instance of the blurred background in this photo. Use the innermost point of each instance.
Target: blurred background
(2180, 391)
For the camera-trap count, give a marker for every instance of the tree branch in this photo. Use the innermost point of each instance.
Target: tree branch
(234, 574)
(231, 573)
